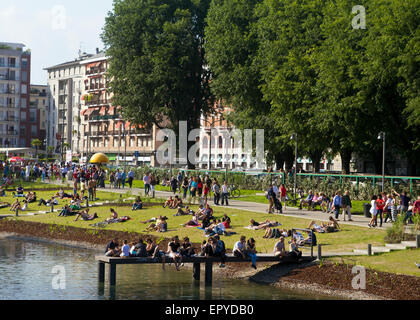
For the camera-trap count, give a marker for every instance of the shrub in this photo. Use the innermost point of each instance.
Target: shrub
(395, 234)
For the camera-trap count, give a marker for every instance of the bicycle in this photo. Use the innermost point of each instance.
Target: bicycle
(233, 192)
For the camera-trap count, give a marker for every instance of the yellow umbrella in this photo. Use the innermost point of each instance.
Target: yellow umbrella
(99, 158)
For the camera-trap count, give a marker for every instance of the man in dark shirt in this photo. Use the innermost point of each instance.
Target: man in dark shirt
(111, 248)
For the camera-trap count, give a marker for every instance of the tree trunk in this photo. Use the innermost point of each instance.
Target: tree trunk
(316, 159)
(279, 161)
(345, 155)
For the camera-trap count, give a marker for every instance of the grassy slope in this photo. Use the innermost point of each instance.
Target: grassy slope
(401, 262)
(350, 237)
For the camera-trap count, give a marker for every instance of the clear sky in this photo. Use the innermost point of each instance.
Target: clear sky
(53, 30)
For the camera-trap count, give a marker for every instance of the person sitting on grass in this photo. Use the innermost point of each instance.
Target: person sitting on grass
(112, 248)
(76, 204)
(188, 211)
(180, 212)
(215, 228)
(169, 203)
(193, 222)
(114, 215)
(226, 221)
(15, 205)
(310, 240)
(293, 250)
(86, 216)
(173, 250)
(176, 203)
(160, 225)
(61, 194)
(31, 197)
(298, 237)
(200, 212)
(66, 211)
(187, 249)
(279, 249)
(19, 192)
(331, 226)
(137, 205)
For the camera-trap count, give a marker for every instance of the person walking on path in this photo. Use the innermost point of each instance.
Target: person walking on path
(283, 194)
(146, 180)
(130, 178)
(337, 204)
(271, 197)
(373, 212)
(346, 205)
(216, 193)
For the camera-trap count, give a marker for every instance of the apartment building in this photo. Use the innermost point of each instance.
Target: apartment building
(65, 86)
(102, 128)
(218, 148)
(16, 114)
(39, 100)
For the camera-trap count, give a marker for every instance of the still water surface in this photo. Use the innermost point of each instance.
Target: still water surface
(26, 273)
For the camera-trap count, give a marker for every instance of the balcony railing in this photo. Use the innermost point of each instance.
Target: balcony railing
(95, 71)
(9, 78)
(97, 102)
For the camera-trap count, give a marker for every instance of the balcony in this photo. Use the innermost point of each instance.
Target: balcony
(9, 78)
(9, 65)
(97, 102)
(94, 71)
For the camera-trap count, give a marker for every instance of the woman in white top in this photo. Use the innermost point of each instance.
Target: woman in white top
(125, 250)
(373, 211)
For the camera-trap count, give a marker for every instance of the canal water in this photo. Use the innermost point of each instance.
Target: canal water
(39, 271)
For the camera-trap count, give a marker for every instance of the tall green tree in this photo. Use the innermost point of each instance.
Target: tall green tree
(158, 70)
(36, 143)
(289, 33)
(232, 46)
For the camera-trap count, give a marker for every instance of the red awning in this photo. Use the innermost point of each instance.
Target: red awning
(89, 111)
(127, 125)
(111, 110)
(93, 65)
(83, 112)
(118, 125)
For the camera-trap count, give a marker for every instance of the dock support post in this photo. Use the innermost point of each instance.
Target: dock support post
(209, 273)
(196, 271)
(112, 274)
(418, 241)
(101, 272)
(369, 249)
(319, 252)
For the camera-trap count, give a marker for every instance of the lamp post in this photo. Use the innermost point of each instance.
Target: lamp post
(382, 136)
(295, 137)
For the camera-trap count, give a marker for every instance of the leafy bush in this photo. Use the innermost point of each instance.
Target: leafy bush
(395, 234)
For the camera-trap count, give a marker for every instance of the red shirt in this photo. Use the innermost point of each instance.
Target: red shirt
(380, 204)
(416, 207)
(283, 191)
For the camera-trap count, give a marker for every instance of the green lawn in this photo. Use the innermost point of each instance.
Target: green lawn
(400, 262)
(351, 237)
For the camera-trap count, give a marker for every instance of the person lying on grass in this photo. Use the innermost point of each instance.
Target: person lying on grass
(331, 226)
(169, 203)
(86, 216)
(193, 222)
(48, 203)
(137, 205)
(263, 225)
(276, 233)
(173, 251)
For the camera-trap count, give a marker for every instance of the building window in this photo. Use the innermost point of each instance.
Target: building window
(24, 89)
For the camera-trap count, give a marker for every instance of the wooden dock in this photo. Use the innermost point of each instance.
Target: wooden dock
(196, 261)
